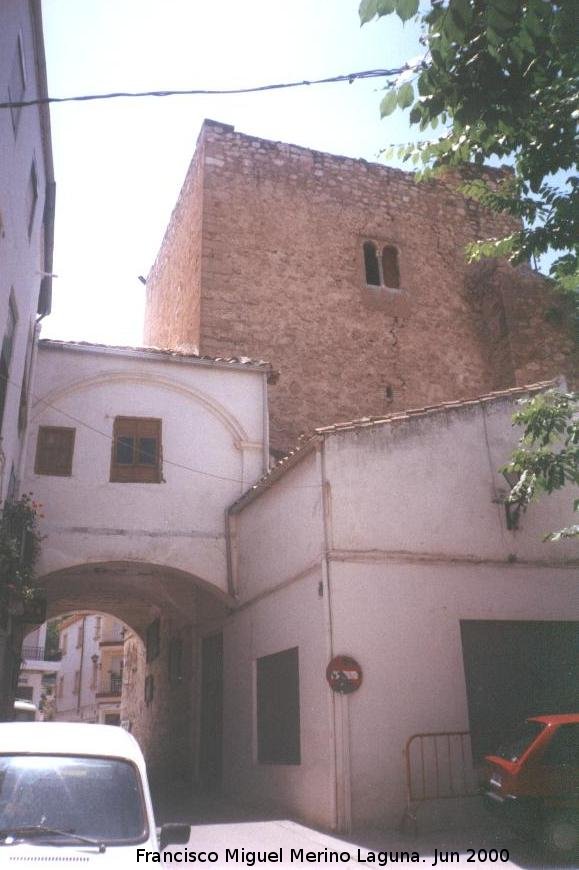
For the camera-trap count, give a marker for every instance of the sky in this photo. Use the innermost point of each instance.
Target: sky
(119, 164)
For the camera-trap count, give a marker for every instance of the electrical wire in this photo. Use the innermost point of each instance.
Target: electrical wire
(348, 77)
(112, 439)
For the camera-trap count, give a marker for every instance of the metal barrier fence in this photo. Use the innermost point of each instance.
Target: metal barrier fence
(438, 766)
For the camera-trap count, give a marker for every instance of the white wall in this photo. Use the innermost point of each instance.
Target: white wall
(419, 542)
(416, 542)
(212, 422)
(431, 485)
(283, 605)
(71, 705)
(22, 256)
(401, 622)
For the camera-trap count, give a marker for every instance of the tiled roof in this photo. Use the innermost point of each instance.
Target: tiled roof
(308, 441)
(163, 353)
(401, 416)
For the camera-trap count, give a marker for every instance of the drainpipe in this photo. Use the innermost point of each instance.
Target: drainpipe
(81, 663)
(340, 736)
(31, 361)
(265, 426)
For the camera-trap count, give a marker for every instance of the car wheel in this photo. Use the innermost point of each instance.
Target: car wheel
(561, 834)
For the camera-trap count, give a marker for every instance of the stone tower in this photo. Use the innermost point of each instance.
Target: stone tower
(350, 278)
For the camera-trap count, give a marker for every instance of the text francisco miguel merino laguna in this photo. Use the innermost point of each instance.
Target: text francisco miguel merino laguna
(325, 856)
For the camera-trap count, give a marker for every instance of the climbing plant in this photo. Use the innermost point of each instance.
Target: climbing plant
(19, 545)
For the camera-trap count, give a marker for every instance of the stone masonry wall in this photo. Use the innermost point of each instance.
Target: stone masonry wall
(161, 722)
(175, 324)
(267, 239)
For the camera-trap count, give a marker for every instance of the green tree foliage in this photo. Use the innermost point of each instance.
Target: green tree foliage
(548, 454)
(19, 545)
(500, 76)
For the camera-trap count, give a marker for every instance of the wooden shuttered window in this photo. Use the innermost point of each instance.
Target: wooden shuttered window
(136, 451)
(54, 450)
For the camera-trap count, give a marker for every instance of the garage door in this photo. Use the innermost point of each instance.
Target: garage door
(514, 670)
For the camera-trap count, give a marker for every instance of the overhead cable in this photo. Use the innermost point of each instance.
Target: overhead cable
(348, 77)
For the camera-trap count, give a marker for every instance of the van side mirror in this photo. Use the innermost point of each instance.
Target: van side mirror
(174, 832)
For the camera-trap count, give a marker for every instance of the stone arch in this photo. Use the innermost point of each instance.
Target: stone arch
(188, 608)
(134, 592)
(216, 408)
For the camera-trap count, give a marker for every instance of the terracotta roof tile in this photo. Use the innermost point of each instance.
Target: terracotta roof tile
(308, 441)
(163, 352)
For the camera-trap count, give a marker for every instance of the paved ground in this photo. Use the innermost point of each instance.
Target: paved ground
(245, 837)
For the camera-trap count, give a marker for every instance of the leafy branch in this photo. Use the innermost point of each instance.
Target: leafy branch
(19, 545)
(501, 78)
(548, 454)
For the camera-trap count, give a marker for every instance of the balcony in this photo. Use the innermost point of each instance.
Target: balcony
(111, 636)
(111, 686)
(40, 654)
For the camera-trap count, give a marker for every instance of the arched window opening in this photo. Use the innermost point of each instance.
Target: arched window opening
(371, 264)
(390, 269)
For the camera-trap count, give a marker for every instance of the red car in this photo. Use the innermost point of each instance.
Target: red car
(533, 780)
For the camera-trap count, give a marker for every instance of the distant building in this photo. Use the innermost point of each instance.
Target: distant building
(90, 677)
(38, 672)
(26, 242)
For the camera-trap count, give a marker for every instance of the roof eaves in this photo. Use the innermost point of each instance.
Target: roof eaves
(443, 407)
(308, 443)
(278, 470)
(164, 354)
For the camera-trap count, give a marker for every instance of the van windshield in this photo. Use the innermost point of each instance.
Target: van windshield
(100, 798)
(512, 749)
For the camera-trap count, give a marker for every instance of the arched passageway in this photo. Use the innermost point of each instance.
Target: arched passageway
(170, 616)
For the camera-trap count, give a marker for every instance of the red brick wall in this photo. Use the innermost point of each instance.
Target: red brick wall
(267, 239)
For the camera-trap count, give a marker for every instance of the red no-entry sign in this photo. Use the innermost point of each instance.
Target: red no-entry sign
(344, 675)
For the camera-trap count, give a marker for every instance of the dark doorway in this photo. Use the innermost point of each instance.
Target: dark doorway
(211, 748)
(514, 670)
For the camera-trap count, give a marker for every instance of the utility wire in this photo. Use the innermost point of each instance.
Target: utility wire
(112, 439)
(348, 77)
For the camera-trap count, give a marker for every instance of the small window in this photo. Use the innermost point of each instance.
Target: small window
(136, 453)
(60, 691)
(17, 83)
(149, 689)
(12, 485)
(381, 266)
(175, 661)
(54, 451)
(6, 353)
(31, 197)
(23, 405)
(371, 264)
(153, 640)
(390, 270)
(278, 708)
(76, 687)
(80, 635)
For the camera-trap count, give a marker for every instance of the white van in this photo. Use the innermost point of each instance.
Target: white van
(75, 792)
